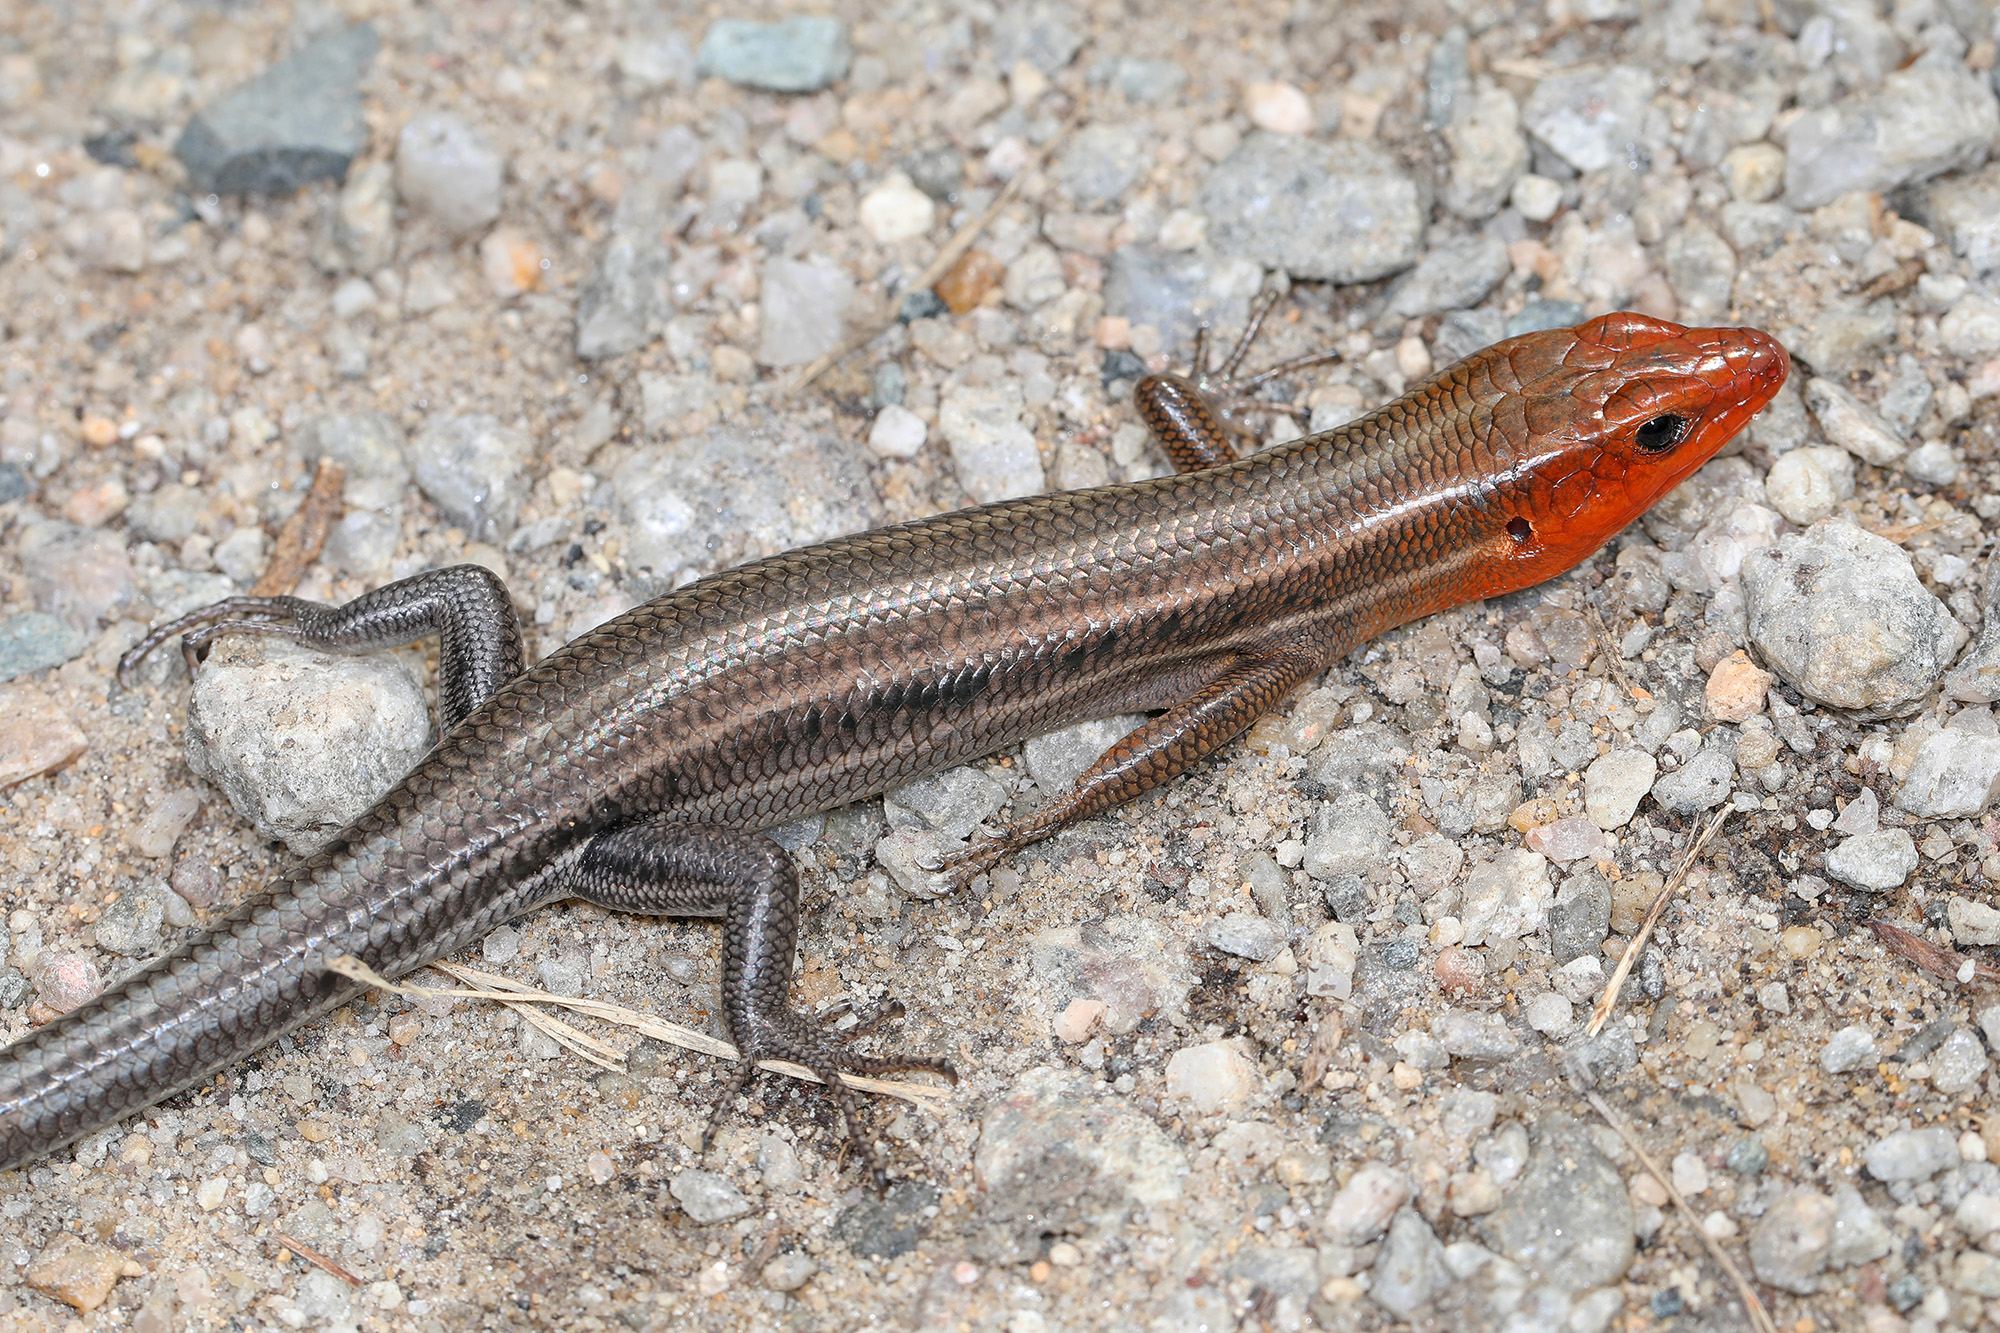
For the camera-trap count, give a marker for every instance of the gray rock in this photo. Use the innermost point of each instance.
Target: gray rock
(361, 226)
(1912, 1154)
(34, 641)
(788, 1272)
(472, 468)
(448, 170)
(1177, 292)
(888, 1225)
(1840, 614)
(1538, 315)
(1341, 211)
(1055, 1156)
(1042, 32)
(802, 54)
(996, 456)
(1933, 463)
(1956, 775)
(303, 742)
(1100, 164)
(1368, 759)
(1570, 1218)
(1923, 121)
(298, 121)
(622, 305)
(1350, 836)
(1592, 118)
(169, 514)
(1850, 423)
(1976, 679)
(1877, 861)
(363, 543)
(1614, 784)
(1790, 1243)
(1246, 935)
(14, 988)
(14, 484)
(657, 58)
(79, 575)
(1506, 898)
(707, 1198)
(1973, 923)
(1703, 782)
(709, 501)
(368, 444)
(1411, 1267)
(1453, 275)
(1959, 1063)
(1143, 80)
(1475, 1036)
(1806, 485)
(1463, 332)
(1488, 153)
(1851, 1048)
(951, 803)
(805, 311)
(398, 1135)
(1701, 269)
(1056, 760)
(131, 926)
(1581, 918)
(1859, 1235)
(1843, 332)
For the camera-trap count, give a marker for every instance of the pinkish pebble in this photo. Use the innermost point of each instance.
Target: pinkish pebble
(1570, 838)
(66, 980)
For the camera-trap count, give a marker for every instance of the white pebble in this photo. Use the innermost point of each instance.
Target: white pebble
(896, 210)
(1278, 107)
(898, 432)
(1537, 198)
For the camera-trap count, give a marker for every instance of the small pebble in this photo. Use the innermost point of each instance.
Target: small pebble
(1736, 688)
(897, 432)
(896, 210)
(967, 281)
(1853, 1047)
(447, 170)
(66, 981)
(1278, 107)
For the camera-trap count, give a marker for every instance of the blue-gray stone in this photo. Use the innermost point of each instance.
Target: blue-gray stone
(1144, 80)
(33, 641)
(797, 55)
(1538, 315)
(14, 484)
(298, 121)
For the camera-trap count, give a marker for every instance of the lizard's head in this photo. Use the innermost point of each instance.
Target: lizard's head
(1600, 421)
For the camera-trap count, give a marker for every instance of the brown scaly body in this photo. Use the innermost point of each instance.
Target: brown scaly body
(636, 765)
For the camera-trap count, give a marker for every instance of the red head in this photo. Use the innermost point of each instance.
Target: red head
(1595, 423)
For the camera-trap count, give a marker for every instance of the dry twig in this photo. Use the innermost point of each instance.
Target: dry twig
(304, 533)
(522, 999)
(316, 1259)
(1609, 1000)
(1580, 1079)
(1947, 965)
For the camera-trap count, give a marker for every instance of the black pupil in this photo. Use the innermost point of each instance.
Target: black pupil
(1661, 433)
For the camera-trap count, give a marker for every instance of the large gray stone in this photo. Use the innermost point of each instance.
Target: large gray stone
(298, 121)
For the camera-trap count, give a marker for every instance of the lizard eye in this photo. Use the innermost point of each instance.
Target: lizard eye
(1661, 433)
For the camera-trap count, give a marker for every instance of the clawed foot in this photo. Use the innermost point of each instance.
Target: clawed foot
(1231, 398)
(200, 629)
(826, 1055)
(968, 863)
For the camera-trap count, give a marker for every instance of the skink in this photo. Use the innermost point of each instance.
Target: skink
(637, 765)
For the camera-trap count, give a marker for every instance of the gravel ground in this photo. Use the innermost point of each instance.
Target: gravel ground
(1298, 1042)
